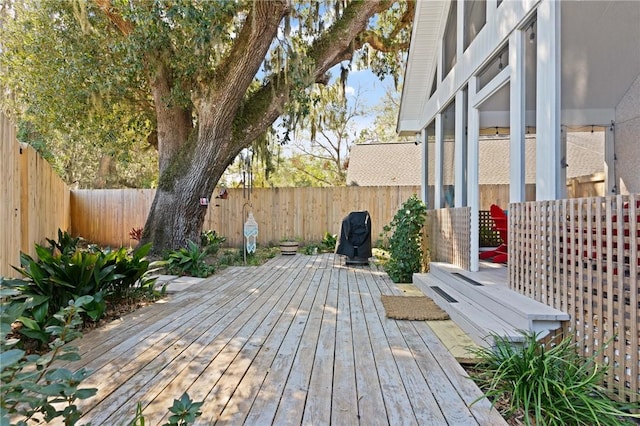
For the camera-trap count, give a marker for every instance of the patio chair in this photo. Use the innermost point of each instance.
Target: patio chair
(499, 254)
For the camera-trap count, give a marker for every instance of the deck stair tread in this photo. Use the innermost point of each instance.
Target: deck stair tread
(490, 308)
(493, 293)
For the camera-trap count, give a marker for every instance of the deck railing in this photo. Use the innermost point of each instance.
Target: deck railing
(448, 235)
(582, 256)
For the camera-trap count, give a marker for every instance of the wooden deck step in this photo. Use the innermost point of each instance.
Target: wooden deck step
(493, 293)
(486, 307)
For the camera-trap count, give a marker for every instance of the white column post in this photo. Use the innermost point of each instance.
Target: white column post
(610, 185)
(562, 174)
(473, 174)
(517, 121)
(548, 114)
(460, 149)
(424, 189)
(438, 154)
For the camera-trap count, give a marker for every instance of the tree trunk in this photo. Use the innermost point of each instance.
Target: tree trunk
(192, 162)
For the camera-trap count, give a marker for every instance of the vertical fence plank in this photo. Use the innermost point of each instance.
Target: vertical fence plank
(10, 208)
(106, 216)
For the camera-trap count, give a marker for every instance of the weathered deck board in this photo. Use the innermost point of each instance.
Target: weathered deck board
(299, 340)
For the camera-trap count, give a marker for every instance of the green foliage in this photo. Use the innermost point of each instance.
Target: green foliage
(405, 243)
(211, 242)
(30, 385)
(184, 411)
(75, 96)
(311, 249)
(329, 241)
(550, 383)
(189, 260)
(62, 273)
(66, 244)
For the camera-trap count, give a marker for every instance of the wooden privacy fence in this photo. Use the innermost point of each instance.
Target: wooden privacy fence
(107, 216)
(582, 256)
(449, 236)
(34, 200)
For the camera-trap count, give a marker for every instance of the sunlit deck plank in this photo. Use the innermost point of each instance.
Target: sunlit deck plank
(264, 407)
(291, 408)
(300, 340)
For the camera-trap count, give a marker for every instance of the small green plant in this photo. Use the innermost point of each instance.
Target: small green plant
(30, 385)
(190, 260)
(550, 383)
(183, 412)
(311, 249)
(66, 244)
(329, 241)
(211, 242)
(405, 242)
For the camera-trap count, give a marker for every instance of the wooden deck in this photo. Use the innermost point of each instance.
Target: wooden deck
(299, 340)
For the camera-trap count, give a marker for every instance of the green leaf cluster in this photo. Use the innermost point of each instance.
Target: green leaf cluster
(329, 241)
(549, 382)
(62, 272)
(211, 241)
(30, 386)
(75, 94)
(189, 260)
(405, 242)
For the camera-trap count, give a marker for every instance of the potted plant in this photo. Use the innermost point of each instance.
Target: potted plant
(289, 247)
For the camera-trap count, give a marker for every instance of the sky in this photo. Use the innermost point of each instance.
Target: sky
(372, 93)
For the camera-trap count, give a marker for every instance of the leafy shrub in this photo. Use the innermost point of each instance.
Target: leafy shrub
(129, 267)
(136, 233)
(62, 273)
(550, 383)
(329, 241)
(311, 249)
(405, 244)
(66, 244)
(29, 384)
(211, 242)
(190, 260)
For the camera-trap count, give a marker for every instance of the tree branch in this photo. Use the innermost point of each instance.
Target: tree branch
(329, 49)
(125, 27)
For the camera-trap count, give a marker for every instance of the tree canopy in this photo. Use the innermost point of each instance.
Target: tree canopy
(198, 80)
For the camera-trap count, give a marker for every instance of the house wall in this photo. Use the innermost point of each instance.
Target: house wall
(627, 141)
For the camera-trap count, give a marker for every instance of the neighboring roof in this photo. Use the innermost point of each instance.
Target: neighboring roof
(384, 164)
(400, 163)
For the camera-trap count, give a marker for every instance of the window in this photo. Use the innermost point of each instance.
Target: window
(475, 16)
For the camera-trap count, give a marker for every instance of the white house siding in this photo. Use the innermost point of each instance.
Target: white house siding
(627, 140)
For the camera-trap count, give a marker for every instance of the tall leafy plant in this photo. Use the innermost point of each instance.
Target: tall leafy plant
(405, 242)
(550, 383)
(63, 272)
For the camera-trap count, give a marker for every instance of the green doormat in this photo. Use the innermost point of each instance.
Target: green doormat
(415, 308)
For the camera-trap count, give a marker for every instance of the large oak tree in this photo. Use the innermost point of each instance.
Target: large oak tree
(210, 76)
